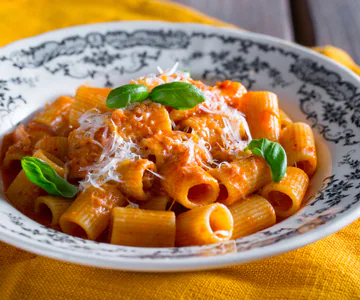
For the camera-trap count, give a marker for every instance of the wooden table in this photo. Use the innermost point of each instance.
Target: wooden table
(308, 22)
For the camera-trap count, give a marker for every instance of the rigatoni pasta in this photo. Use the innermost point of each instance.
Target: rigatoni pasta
(204, 225)
(50, 208)
(89, 215)
(161, 162)
(22, 193)
(56, 115)
(240, 178)
(287, 195)
(262, 114)
(55, 145)
(299, 144)
(52, 160)
(156, 203)
(142, 228)
(232, 91)
(252, 214)
(190, 185)
(87, 98)
(284, 119)
(136, 178)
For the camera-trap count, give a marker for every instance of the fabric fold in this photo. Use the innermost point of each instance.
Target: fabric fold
(328, 268)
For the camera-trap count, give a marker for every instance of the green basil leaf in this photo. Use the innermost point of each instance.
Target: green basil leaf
(178, 95)
(44, 176)
(127, 94)
(274, 155)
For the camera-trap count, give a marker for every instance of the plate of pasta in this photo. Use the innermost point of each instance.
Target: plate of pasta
(153, 146)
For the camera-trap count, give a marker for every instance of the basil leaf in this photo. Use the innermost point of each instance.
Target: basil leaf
(44, 176)
(274, 155)
(178, 95)
(126, 94)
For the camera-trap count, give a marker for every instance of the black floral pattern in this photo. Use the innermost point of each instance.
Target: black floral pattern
(239, 68)
(345, 94)
(329, 102)
(334, 114)
(311, 103)
(102, 58)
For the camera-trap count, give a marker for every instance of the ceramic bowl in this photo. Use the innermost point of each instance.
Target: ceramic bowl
(311, 89)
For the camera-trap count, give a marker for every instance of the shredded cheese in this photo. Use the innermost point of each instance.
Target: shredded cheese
(133, 205)
(155, 174)
(118, 148)
(164, 76)
(232, 119)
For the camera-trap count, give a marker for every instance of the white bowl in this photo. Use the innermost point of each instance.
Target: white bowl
(311, 88)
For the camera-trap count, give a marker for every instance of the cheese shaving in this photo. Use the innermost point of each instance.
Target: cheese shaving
(155, 174)
(232, 119)
(115, 151)
(132, 205)
(117, 148)
(164, 76)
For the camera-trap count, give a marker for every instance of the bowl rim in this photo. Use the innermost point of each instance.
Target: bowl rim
(193, 263)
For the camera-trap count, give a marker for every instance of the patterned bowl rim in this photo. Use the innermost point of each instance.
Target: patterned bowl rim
(193, 263)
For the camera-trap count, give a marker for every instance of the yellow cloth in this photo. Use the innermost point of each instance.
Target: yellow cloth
(328, 269)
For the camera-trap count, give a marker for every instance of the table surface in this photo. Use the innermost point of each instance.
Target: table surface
(308, 22)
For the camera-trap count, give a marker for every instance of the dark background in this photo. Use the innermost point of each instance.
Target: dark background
(308, 22)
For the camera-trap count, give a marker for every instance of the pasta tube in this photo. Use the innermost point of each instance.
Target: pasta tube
(50, 208)
(156, 203)
(160, 147)
(205, 225)
(22, 193)
(287, 195)
(137, 178)
(189, 185)
(284, 119)
(56, 145)
(52, 160)
(232, 91)
(299, 144)
(143, 121)
(89, 215)
(155, 149)
(84, 151)
(39, 131)
(241, 178)
(87, 98)
(179, 115)
(18, 136)
(15, 153)
(142, 228)
(56, 115)
(251, 215)
(207, 127)
(14, 146)
(210, 129)
(261, 111)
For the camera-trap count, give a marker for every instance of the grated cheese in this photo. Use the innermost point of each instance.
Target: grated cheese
(133, 205)
(190, 144)
(232, 121)
(118, 149)
(155, 174)
(154, 80)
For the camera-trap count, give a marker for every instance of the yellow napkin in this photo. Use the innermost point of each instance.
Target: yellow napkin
(329, 268)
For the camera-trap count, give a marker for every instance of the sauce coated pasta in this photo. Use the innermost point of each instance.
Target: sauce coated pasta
(163, 161)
